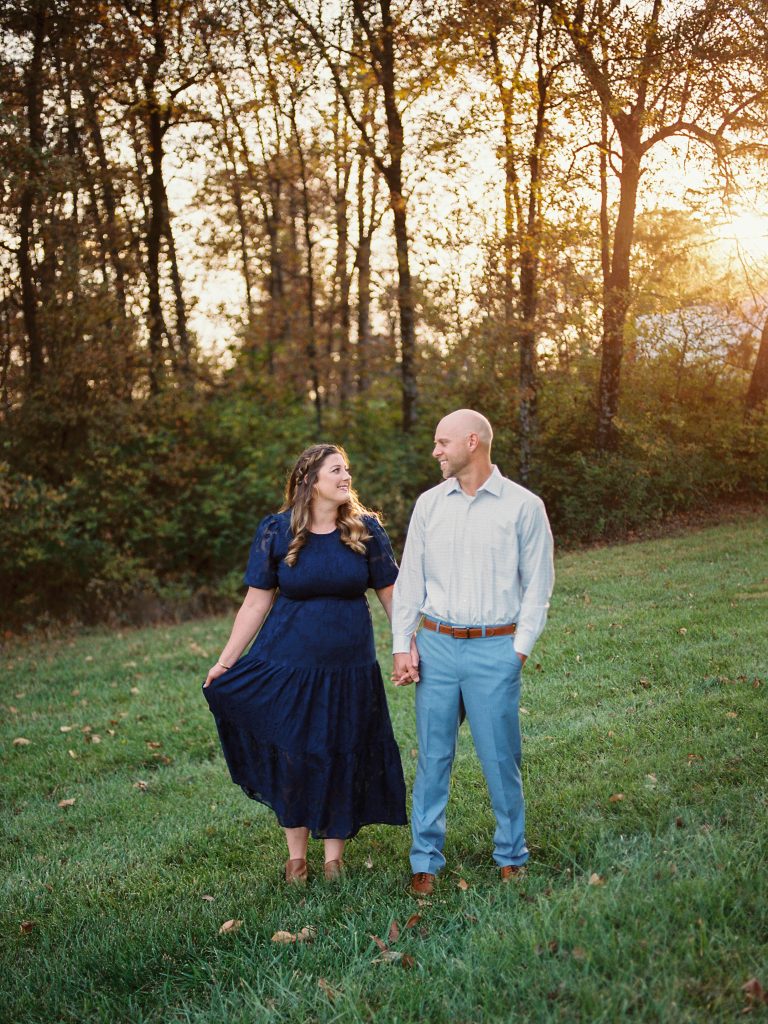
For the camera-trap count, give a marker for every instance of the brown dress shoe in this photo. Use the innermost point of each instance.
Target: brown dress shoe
(334, 870)
(422, 883)
(512, 872)
(296, 871)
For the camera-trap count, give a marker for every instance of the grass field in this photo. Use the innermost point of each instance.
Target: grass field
(647, 793)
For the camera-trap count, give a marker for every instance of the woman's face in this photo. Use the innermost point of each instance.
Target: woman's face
(333, 480)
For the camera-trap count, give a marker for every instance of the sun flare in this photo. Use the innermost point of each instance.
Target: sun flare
(746, 234)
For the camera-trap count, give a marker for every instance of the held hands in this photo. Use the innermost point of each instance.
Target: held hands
(405, 669)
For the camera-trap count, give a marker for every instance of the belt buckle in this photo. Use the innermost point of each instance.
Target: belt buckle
(461, 633)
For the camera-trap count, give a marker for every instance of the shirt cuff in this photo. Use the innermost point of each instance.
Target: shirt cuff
(524, 641)
(401, 644)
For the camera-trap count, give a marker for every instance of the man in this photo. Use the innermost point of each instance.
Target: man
(477, 574)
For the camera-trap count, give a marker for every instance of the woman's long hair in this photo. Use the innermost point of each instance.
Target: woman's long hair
(298, 496)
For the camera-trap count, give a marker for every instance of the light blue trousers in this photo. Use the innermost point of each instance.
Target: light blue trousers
(484, 673)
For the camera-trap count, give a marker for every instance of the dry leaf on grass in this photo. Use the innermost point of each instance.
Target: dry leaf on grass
(72, 754)
(595, 879)
(329, 991)
(142, 785)
(368, 862)
(230, 926)
(22, 741)
(307, 934)
(412, 921)
(154, 744)
(578, 953)
(394, 932)
(68, 802)
(615, 798)
(26, 927)
(66, 728)
(135, 690)
(754, 991)
(380, 943)
(209, 899)
(463, 884)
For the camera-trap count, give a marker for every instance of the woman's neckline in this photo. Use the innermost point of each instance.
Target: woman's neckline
(324, 533)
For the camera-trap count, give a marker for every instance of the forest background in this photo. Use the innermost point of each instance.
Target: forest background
(230, 229)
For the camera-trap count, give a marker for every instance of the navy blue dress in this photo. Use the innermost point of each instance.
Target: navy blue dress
(303, 717)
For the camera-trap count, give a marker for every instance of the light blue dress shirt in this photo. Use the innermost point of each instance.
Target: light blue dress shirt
(482, 560)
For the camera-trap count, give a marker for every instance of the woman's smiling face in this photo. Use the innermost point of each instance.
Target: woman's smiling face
(333, 480)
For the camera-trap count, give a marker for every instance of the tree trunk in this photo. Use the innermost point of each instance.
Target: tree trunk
(311, 339)
(29, 300)
(757, 393)
(529, 271)
(616, 297)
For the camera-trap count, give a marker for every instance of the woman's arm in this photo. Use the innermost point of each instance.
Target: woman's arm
(247, 623)
(385, 596)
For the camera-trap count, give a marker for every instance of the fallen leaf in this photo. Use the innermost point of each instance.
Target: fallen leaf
(307, 934)
(650, 779)
(682, 631)
(595, 879)
(414, 751)
(754, 991)
(154, 744)
(380, 942)
(327, 989)
(463, 884)
(93, 738)
(679, 822)
(13, 710)
(394, 932)
(26, 927)
(731, 714)
(524, 711)
(89, 657)
(135, 689)
(369, 862)
(67, 803)
(578, 953)
(142, 785)
(388, 956)
(72, 754)
(412, 920)
(66, 728)
(22, 741)
(208, 898)
(645, 683)
(281, 936)
(229, 926)
(616, 798)
(407, 961)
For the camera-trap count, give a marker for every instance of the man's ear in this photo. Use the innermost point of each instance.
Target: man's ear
(472, 441)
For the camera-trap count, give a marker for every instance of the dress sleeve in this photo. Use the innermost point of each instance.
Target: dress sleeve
(261, 571)
(382, 567)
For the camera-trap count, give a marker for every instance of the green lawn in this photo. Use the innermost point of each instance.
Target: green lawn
(645, 771)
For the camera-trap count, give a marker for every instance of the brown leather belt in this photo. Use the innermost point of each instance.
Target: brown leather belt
(468, 632)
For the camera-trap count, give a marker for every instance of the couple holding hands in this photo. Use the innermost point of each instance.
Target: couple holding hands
(303, 717)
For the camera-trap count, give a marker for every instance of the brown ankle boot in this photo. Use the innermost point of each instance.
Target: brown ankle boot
(296, 871)
(333, 870)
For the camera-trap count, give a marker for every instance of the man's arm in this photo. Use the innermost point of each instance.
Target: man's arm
(409, 594)
(537, 574)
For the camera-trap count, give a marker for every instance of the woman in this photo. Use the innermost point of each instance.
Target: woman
(302, 717)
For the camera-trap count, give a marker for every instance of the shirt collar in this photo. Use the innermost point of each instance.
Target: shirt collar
(493, 484)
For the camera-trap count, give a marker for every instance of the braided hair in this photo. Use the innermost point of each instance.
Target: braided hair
(298, 497)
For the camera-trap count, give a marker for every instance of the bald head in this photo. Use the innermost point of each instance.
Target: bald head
(467, 421)
(463, 447)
